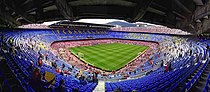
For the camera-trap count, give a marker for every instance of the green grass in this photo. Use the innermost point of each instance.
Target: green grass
(108, 56)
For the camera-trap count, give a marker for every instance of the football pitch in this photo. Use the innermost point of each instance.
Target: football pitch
(108, 56)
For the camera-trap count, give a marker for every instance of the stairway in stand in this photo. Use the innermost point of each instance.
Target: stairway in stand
(100, 87)
(10, 78)
(200, 85)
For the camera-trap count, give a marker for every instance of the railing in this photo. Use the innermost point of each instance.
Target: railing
(189, 85)
(207, 84)
(4, 86)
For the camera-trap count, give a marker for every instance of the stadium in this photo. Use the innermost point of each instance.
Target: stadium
(158, 46)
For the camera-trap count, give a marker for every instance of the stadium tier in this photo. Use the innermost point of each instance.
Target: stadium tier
(77, 60)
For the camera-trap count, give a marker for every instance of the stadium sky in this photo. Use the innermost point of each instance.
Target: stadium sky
(95, 21)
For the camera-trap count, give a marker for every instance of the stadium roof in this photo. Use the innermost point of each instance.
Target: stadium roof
(171, 13)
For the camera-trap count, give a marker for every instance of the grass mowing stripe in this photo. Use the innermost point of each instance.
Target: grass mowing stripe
(93, 51)
(120, 50)
(116, 54)
(109, 56)
(105, 49)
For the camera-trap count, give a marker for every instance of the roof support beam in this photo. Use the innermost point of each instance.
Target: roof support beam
(64, 8)
(140, 9)
(7, 17)
(150, 9)
(180, 15)
(198, 2)
(181, 6)
(18, 9)
(39, 9)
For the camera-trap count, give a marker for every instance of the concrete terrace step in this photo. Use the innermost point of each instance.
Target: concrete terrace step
(100, 87)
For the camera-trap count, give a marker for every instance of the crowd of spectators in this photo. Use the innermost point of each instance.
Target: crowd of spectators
(170, 47)
(151, 29)
(34, 26)
(61, 49)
